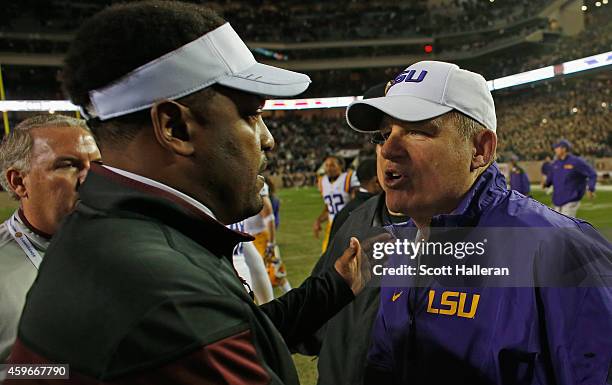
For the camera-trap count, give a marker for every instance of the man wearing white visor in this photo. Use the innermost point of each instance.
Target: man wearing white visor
(436, 127)
(138, 286)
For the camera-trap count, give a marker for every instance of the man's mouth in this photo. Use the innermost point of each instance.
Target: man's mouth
(394, 178)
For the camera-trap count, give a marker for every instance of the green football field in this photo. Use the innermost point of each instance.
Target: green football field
(300, 250)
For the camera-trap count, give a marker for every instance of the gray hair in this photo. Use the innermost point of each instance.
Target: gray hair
(16, 147)
(467, 126)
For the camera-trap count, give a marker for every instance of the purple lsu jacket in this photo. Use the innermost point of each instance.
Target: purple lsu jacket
(569, 178)
(548, 323)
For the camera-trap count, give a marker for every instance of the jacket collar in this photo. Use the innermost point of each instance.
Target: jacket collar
(122, 196)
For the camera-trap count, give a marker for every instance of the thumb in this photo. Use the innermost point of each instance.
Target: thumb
(353, 248)
(348, 255)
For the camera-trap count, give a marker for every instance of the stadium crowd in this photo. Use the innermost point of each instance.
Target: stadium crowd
(317, 21)
(24, 82)
(285, 20)
(595, 38)
(578, 110)
(530, 120)
(303, 142)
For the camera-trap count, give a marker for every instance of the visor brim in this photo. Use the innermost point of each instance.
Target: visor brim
(266, 80)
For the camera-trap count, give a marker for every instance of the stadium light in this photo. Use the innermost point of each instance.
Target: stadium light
(584, 64)
(584, 8)
(598, 4)
(524, 77)
(587, 63)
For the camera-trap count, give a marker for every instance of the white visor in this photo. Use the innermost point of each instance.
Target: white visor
(218, 57)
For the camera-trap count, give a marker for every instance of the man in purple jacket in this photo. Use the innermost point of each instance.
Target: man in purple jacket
(569, 175)
(544, 320)
(519, 180)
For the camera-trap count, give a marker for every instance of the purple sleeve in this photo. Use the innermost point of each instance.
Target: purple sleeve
(585, 169)
(579, 333)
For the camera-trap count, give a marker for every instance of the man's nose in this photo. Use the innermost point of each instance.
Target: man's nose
(393, 147)
(266, 138)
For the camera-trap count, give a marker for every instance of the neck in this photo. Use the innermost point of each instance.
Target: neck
(562, 157)
(32, 222)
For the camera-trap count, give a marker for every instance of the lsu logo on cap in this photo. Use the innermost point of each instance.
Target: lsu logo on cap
(406, 77)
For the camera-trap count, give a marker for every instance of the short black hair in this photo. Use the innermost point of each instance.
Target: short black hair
(120, 39)
(366, 170)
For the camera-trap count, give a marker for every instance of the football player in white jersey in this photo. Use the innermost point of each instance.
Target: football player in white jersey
(250, 267)
(336, 188)
(263, 227)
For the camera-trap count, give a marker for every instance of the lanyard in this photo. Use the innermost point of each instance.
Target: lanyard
(23, 241)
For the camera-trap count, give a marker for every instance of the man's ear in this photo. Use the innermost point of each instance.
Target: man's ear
(171, 126)
(485, 145)
(16, 182)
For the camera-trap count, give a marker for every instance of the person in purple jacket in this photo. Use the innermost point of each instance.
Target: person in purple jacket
(545, 321)
(519, 180)
(569, 175)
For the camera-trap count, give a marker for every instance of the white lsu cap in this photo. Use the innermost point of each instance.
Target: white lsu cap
(425, 90)
(218, 57)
